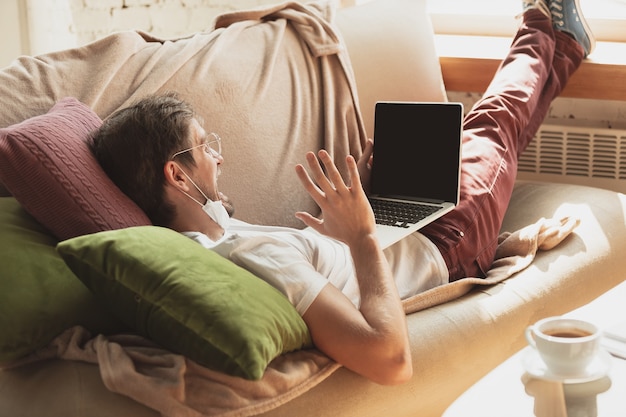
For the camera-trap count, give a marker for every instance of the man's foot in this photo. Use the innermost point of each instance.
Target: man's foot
(567, 18)
(541, 5)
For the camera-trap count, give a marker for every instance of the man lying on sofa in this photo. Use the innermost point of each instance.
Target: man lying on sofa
(358, 320)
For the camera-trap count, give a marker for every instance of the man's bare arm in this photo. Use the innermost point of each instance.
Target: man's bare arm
(373, 340)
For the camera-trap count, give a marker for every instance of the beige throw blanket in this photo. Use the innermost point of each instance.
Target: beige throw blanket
(178, 387)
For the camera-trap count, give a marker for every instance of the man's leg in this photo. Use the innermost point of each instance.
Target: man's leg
(496, 131)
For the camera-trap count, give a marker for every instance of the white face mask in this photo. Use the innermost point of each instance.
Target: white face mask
(214, 209)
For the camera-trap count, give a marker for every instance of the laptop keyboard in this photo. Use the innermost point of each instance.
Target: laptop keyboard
(399, 214)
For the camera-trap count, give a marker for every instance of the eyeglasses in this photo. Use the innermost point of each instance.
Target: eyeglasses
(212, 147)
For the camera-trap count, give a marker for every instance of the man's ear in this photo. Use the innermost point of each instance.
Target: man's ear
(175, 176)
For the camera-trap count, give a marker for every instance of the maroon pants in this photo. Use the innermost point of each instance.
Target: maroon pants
(495, 132)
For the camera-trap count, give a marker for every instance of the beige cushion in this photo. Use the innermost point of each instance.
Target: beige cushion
(392, 50)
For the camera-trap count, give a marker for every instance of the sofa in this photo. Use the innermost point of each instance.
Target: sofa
(381, 50)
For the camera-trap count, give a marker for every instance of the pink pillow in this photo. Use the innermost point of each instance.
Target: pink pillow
(46, 164)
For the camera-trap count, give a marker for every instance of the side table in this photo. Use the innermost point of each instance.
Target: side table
(510, 391)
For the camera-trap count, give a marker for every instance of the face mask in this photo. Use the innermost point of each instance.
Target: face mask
(214, 209)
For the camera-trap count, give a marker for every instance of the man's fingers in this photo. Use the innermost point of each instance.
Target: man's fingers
(332, 172)
(317, 173)
(310, 220)
(314, 191)
(353, 170)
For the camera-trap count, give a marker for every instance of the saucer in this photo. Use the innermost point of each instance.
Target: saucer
(535, 366)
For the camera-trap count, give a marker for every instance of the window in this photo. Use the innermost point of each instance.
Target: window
(607, 18)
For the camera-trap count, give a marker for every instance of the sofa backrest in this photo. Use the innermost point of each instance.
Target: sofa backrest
(392, 49)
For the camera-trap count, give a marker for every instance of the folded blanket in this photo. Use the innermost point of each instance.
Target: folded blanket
(177, 387)
(514, 253)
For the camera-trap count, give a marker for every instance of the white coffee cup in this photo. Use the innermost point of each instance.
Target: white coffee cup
(567, 346)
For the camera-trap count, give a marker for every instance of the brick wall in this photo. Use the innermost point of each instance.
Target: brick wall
(61, 24)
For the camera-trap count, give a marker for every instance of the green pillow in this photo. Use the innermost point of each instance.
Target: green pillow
(40, 297)
(187, 298)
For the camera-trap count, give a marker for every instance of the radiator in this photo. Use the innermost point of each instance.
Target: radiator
(576, 155)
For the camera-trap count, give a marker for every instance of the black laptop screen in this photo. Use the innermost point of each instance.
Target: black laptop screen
(417, 150)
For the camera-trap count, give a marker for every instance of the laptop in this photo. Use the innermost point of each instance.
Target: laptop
(417, 164)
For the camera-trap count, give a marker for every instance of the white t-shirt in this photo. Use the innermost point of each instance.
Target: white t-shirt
(299, 263)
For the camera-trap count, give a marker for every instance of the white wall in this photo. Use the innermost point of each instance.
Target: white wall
(13, 40)
(33, 27)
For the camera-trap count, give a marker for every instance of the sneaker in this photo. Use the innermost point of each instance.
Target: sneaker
(566, 17)
(541, 5)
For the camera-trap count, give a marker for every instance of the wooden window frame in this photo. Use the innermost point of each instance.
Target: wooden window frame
(469, 62)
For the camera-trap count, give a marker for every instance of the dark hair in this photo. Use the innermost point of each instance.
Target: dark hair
(134, 143)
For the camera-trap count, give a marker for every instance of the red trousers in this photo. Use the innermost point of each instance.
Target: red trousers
(495, 132)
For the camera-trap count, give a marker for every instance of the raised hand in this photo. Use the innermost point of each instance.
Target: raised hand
(370, 339)
(346, 212)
